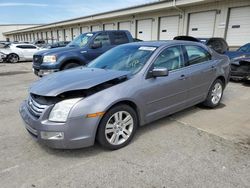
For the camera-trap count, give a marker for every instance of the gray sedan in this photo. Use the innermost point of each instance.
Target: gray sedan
(128, 86)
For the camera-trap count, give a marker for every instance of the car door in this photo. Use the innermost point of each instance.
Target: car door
(105, 44)
(166, 95)
(31, 50)
(202, 72)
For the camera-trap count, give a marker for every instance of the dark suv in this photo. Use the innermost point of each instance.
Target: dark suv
(80, 51)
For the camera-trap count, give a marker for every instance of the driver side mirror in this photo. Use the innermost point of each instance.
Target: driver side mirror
(159, 72)
(96, 45)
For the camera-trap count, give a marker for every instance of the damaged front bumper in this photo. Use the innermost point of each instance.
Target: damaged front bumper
(76, 132)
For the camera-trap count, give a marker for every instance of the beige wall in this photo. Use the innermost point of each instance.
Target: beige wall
(6, 28)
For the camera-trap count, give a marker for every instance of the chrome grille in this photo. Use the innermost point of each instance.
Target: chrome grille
(35, 108)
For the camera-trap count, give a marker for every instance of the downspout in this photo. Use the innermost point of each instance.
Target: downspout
(181, 11)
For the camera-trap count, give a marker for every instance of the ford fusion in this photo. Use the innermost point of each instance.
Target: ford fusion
(126, 87)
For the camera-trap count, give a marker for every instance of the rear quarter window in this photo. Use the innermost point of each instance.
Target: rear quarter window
(197, 54)
(119, 38)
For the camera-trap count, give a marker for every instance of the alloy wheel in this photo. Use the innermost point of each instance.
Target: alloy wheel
(119, 127)
(216, 93)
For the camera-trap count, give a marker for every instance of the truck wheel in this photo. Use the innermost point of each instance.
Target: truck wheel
(13, 58)
(70, 66)
(117, 127)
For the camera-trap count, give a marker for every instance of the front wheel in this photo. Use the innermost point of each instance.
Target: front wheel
(117, 127)
(215, 94)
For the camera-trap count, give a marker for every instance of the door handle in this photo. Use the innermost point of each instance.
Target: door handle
(82, 52)
(182, 77)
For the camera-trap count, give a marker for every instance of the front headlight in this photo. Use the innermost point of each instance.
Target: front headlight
(61, 110)
(49, 59)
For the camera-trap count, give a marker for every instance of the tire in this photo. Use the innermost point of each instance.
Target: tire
(215, 94)
(70, 66)
(113, 132)
(13, 58)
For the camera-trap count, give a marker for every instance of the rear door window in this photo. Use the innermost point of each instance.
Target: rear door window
(197, 54)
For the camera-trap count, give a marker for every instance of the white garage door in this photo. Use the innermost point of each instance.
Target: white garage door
(202, 24)
(30, 37)
(169, 27)
(144, 29)
(49, 37)
(68, 35)
(76, 32)
(95, 28)
(84, 29)
(109, 26)
(54, 33)
(61, 35)
(33, 36)
(125, 26)
(238, 32)
(39, 36)
(44, 37)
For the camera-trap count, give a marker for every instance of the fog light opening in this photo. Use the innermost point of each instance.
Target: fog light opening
(52, 135)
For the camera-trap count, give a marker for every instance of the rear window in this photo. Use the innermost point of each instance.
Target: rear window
(119, 38)
(197, 54)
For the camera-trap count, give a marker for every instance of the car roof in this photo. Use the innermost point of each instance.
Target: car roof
(164, 43)
(94, 32)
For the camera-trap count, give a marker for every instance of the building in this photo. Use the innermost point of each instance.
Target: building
(10, 27)
(161, 20)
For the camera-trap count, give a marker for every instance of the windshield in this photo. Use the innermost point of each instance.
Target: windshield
(81, 40)
(124, 58)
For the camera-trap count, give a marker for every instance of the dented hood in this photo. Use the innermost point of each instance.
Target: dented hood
(73, 79)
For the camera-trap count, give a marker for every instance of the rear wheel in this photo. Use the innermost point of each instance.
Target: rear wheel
(117, 127)
(215, 94)
(13, 58)
(70, 66)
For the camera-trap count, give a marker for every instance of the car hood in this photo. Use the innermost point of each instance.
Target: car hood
(6, 50)
(74, 79)
(55, 51)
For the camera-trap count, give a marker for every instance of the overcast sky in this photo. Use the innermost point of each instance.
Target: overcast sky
(47, 11)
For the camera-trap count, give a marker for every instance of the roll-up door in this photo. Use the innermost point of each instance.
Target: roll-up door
(238, 32)
(169, 27)
(109, 26)
(202, 24)
(144, 29)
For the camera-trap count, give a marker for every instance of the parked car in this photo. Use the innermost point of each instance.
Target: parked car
(217, 44)
(240, 69)
(57, 44)
(137, 40)
(39, 43)
(240, 53)
(80, 51)
(19, 52)
(128, 86)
